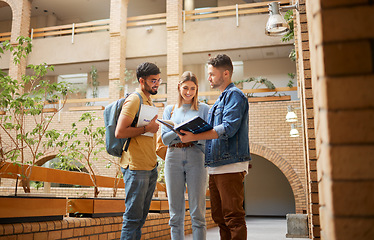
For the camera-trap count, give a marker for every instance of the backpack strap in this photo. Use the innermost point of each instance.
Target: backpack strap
(135, 121)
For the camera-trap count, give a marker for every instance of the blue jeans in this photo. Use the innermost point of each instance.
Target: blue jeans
(186, 166)
(139, 188)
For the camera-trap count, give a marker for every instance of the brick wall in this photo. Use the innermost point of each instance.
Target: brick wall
(269, 138)
(343, 78)
(155, 227)
(306, 96)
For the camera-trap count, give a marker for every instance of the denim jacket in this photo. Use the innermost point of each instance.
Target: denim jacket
(229, 118)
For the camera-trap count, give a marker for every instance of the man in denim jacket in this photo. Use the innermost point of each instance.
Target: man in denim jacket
(227, 150)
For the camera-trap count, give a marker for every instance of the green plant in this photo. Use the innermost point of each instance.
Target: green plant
(288, 37)
(36, 184)
(257, 82)
(130, 76)
(291, 81)
(161, 170)
(94, 83)
(117, 175)
(292, 55)
(289, 19)
(25, 136)
(83, 146)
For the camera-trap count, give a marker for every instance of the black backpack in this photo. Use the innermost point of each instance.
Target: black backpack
(115, 146)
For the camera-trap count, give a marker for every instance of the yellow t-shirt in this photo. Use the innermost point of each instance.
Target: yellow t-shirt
(141, 154)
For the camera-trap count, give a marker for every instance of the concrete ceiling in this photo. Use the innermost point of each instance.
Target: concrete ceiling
(85, 10)
(88, 10)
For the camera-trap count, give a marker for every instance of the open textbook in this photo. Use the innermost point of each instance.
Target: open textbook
(194, 125)
(147, 113)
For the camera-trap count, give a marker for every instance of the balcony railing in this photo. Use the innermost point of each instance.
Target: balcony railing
(233, 10)
(147, 20)
(164, 96)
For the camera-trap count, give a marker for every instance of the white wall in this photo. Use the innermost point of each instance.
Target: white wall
(274, 69)
(267, 190)
(61, 50)
(221, 34)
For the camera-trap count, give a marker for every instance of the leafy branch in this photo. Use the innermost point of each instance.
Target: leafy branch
(288, 37)
(94, 83)
(289, 19)
(291, 81)
(24, 134)
(85, 151)
(258, 81)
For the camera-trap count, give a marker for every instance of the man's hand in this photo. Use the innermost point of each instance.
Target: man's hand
(190, 137)
(187, 137)
(152, 126)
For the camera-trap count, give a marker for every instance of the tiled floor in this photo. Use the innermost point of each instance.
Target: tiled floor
(259, 228)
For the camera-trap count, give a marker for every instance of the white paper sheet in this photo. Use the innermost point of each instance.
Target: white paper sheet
(147, 113)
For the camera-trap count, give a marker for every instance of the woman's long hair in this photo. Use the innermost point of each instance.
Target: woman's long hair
(189, 76)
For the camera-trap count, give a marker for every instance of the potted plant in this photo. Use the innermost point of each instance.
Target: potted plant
(25, 136)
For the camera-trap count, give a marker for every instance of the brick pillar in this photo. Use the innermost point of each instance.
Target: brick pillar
(117, 49)
(306, 101)
(343, 79)
(21, 11)
(174, 47)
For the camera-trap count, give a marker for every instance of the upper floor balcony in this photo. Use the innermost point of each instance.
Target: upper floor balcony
(236, 29)
(73, 47)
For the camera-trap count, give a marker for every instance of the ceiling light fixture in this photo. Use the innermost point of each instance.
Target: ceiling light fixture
(276, 24)
(294, 132)
(291, 115)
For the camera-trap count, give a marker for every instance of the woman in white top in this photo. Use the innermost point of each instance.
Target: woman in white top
(185, 162)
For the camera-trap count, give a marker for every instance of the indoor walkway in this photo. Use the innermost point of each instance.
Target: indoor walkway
(259, 228)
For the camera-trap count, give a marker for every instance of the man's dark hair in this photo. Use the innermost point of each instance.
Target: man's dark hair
(146, 69)
(222, 61)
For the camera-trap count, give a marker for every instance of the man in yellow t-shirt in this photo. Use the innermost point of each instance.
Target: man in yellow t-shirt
(139, 162)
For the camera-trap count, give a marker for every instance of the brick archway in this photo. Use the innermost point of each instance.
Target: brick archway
(21, 13)
(287, 170)
(9, 2)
